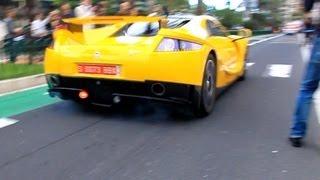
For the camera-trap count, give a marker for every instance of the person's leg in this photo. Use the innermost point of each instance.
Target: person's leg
(308, 87)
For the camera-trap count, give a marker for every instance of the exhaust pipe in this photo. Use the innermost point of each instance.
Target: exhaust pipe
(158, 89)
(116, 99)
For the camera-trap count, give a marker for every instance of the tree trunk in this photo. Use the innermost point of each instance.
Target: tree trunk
(199, 8)
(30, 3)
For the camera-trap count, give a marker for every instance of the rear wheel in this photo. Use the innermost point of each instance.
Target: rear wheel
(205, 95)
(243, 76)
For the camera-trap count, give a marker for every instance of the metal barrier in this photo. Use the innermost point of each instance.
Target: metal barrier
(254, 33)
(14, 47)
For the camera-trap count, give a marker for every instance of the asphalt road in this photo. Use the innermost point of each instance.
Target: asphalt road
(245, 137)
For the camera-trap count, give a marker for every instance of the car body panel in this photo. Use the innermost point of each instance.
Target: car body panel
(138, 57)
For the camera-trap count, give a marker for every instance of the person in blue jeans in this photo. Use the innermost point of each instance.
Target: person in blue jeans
(308, 87)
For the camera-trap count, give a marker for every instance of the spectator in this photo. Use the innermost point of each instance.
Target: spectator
(157, 10)
(3, 33)
(38, 25)
(16, 43)
(166, 11)
(309, 30)
(9, 19)
(20, 24)
(3, 30)
(66, 11)
(309, 85)
(101, 9)
(85, 9)
(135, 12)
(56, 19)
(124, 9)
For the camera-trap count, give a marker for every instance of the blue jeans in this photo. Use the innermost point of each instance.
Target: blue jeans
(309, 85)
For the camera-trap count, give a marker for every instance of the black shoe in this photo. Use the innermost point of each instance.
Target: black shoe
(296, 141)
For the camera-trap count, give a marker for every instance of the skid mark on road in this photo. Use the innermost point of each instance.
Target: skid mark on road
(278, 70)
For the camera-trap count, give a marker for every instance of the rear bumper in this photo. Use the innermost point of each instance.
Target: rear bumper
(104, 91)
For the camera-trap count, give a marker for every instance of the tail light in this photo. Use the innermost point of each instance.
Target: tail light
(61, 26)
(172, 45)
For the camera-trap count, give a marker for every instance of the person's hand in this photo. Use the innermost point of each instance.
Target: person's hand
(18, 30)
(94, 8)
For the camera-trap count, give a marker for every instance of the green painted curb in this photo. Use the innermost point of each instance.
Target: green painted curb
(24, 101)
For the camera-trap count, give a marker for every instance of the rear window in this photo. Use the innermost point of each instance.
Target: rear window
(142, 29)
(150, 29)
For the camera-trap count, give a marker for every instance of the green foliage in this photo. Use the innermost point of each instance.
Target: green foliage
(228, 17)
(175, 4)
(258, 21)
(72, 2)
(297, 16)
(272, 7)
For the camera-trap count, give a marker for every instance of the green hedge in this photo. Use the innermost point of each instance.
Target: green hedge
(11, 70)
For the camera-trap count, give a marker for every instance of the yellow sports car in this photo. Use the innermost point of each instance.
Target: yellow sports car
(182, 59)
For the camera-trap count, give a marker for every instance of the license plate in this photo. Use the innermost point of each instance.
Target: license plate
(99, 69)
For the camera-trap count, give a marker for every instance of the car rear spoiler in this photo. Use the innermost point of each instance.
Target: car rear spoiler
(99, 20)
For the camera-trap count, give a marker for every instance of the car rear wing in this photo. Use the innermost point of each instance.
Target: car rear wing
(100, 20)
(76, 24)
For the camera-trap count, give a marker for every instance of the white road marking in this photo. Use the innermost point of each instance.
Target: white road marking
(249, 64)
(278, 70)
(4, 122)
(284, 42)
(46, 93)
(264, 40)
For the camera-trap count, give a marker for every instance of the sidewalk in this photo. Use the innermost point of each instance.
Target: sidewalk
(11, 85)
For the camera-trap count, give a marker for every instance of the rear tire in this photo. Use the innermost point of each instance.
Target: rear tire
(204, 96)
(243, 76)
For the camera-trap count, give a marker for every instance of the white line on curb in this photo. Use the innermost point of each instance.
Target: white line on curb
(22, 78)
(264, 40)
(21, 90)
(7, 122)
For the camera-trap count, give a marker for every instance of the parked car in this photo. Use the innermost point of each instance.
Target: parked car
(292, 27)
